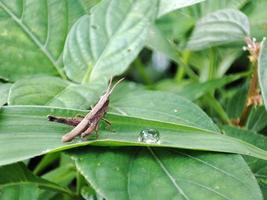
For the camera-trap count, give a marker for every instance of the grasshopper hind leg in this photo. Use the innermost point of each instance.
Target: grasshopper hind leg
(93, 127)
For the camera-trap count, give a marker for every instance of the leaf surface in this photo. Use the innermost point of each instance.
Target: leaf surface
(150, 173)
(30, 125)
(262, 71)
(258, 167)
(21, 192)
(53, 91)
(19, 176)
(33, 33)
(171, 5)
(219, 28)
(105, 42)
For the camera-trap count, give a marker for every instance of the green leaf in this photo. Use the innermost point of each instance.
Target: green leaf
(236, 103)
(150, 173)
(158, 42)
(219, 28)
(177, 25)
(52, 91)
(259, 167)
(171, 5)
(257, 119)
(19, 192)
(105, 42)
(4, 92)
(262, 71)
(194, 90)
(33, 34)
(62, 175)
(39, 136)
(19, 175)
(210, 6)
(161, 106)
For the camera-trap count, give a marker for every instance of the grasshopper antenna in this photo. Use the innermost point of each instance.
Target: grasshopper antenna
(110, 90)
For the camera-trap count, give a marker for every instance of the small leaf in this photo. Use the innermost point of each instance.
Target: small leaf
(150, 173)
(257, 119)
(19, 175)
(219, 28)
(262, 71)
(33, 34)
(52, 91)
(171, 5)
(105, 42)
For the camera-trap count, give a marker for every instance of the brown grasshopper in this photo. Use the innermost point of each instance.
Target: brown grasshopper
(85, 126)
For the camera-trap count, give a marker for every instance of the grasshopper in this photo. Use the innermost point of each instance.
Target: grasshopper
(85, 126)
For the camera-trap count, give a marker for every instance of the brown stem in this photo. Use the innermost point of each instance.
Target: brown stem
(253, 96)
(253, 93)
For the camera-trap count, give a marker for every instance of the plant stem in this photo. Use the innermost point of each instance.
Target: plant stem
(252, 92)
(185, 56)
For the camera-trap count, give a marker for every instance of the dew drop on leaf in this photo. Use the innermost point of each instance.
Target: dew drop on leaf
(149, 136)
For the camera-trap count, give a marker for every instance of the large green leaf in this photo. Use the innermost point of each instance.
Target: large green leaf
(259, 167)
(39, 136)
(150, 173)
(32, 35)
(171, 5)
(4, 92)
(107, 40)
(19, 175)
(219, 28)
(52, 91)
(162, 107)
(262, 71)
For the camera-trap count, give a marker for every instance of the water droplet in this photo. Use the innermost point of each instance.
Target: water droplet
(175, 110)
(149, 136)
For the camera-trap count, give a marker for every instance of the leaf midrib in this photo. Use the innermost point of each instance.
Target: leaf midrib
(90, 71)
(165, 170)
(33, 38)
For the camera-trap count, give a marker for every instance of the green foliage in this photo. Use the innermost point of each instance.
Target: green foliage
(178, 174)
(57, 57)
(262, 71)
(218, 28)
